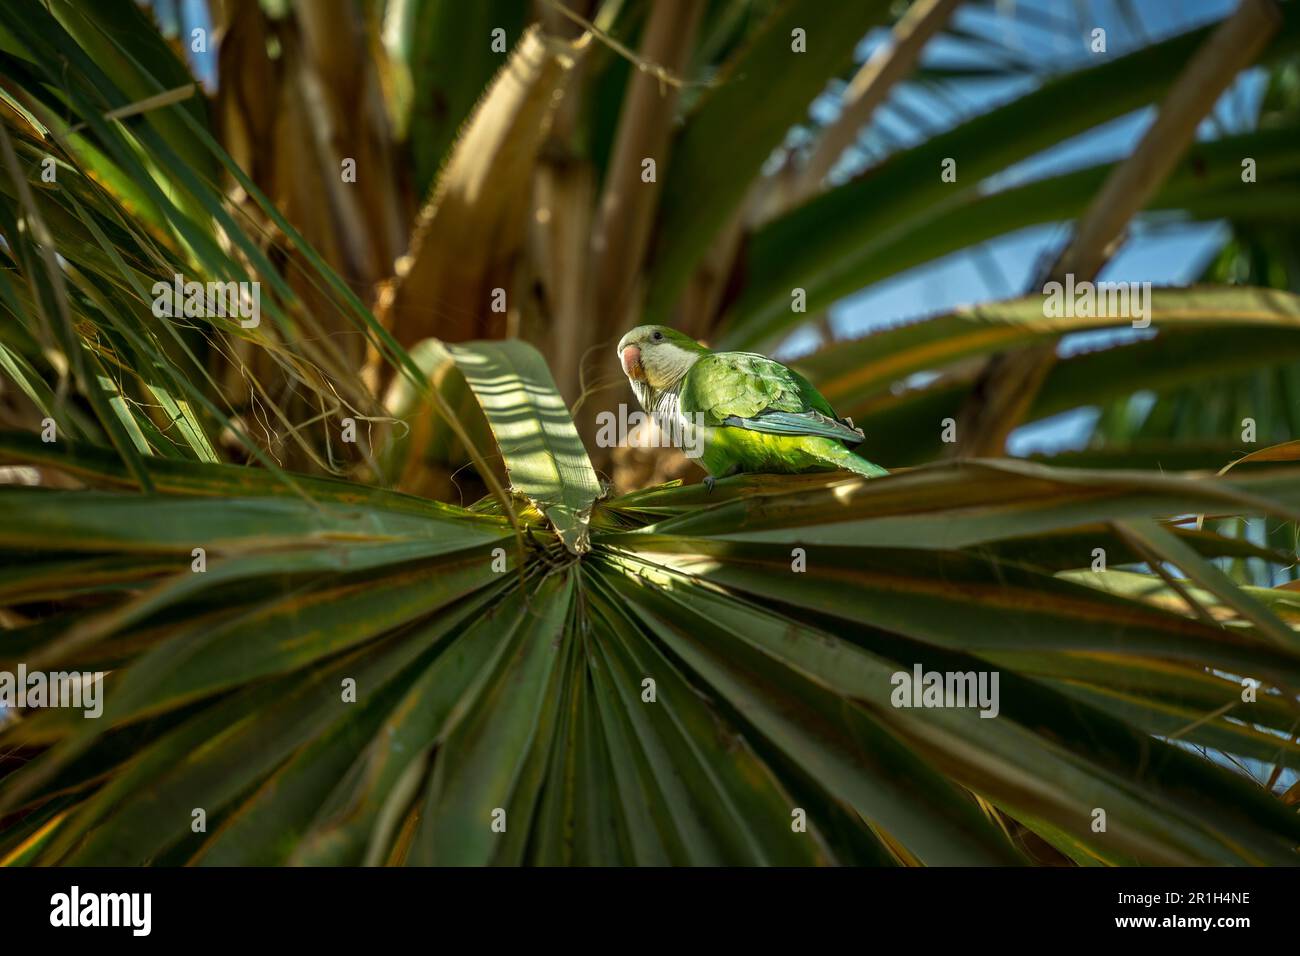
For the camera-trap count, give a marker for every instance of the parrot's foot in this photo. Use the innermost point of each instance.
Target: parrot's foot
(709, 482)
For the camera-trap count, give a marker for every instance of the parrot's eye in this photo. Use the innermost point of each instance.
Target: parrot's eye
(658, 336)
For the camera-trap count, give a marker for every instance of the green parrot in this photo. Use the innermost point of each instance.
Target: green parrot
(755, 414)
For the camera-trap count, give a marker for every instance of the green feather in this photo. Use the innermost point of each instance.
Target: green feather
(765, 417)
(797, 423)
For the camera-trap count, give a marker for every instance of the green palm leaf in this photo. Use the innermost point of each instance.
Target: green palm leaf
(478, 702)
(301, 664)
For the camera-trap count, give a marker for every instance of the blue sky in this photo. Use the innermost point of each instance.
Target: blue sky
(1052, 35)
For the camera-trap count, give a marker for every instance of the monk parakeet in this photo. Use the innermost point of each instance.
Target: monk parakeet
(755, 414)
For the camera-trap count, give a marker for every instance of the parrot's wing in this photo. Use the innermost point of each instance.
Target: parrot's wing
(798, 423)
(750, 391)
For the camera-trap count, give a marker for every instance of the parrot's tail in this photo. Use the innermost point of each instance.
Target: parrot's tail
(846, 459)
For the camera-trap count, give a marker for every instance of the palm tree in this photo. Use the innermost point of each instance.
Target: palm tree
(315, 651)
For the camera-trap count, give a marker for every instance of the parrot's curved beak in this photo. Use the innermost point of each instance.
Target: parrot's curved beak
(632, 362)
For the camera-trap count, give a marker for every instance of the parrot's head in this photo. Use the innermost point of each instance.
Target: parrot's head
(657, 357)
